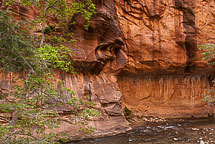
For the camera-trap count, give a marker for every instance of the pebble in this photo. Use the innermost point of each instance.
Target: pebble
(130, 140)
(195, 129)
(175, 139)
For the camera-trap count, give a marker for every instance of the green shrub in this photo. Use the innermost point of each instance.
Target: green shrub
(127, 111)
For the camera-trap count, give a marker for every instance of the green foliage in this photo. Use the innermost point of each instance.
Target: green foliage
(208, 51)
(49, 29)
(88, 130)
(35, 108)
(210, 99)
(63, 11)
(53, 57)
(127, 111)
(15, 44)
(86, 10)
(31, 107)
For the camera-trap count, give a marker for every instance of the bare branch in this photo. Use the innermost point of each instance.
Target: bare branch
(50, 6)
(32, 70)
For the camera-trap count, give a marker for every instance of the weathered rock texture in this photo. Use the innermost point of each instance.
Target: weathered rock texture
(165, 96)
(143, 53)
(99, 58)
(165, 74)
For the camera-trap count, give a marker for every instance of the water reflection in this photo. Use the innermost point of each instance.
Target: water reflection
(169, 132)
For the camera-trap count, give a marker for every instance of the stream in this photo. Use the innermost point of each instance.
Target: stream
(199, 131)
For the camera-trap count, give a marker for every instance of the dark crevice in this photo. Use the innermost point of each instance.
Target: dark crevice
(87, 68)
(108, 104)
(190, 32)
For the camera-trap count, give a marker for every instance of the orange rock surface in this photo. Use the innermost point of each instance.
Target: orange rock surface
(165, 75)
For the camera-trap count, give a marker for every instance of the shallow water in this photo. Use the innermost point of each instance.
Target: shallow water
(169, 132)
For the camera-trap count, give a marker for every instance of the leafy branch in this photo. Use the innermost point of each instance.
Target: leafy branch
(31, 107)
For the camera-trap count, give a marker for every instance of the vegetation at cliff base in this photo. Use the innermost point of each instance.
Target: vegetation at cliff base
(33, 105)
(208, 52)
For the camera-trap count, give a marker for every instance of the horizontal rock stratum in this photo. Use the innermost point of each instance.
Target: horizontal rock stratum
(142, 54)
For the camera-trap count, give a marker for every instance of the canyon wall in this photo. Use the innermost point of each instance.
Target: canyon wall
(142, 54)
(99, 57)
(165, 75)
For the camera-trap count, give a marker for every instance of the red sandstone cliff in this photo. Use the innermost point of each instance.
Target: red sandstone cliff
(165, 74)
(142, 54)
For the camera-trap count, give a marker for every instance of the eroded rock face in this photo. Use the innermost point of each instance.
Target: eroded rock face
(99, 57)
(165, 96)
(162, 37)
(165, 74)
(103, 90)
(143, 53)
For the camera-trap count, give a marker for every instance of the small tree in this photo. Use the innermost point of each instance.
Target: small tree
(62, 10)
(16, 45)
(32, 107)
